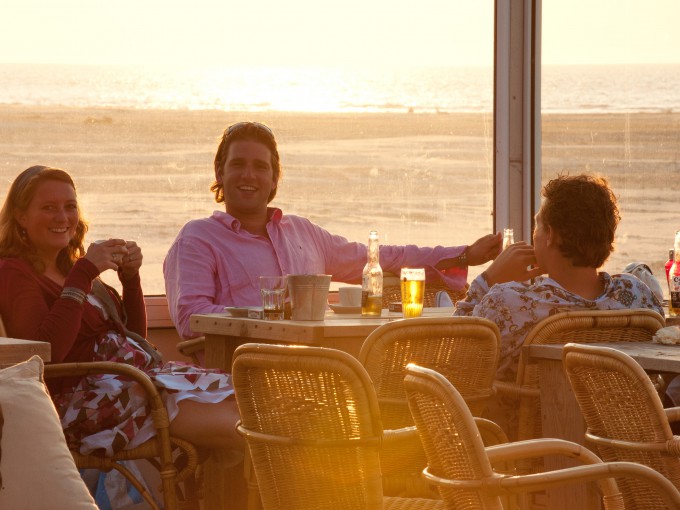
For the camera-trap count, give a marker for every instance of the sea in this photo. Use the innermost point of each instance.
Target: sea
(566, 89)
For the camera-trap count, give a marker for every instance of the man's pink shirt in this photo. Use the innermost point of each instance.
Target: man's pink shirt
(214, 263)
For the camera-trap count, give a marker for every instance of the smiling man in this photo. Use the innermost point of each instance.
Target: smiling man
(216, 261)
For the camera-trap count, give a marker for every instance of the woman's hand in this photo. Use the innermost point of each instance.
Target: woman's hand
(132, 261)
(106, 254)
(513, 264)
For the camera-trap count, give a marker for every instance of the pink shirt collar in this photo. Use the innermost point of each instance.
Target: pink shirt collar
(274, 213)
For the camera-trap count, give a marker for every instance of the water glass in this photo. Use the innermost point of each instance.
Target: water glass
(412, 291)
(273, 290)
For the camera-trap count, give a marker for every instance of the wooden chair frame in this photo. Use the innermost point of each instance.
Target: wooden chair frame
(624, 415)
(462, 468)
(157, 450)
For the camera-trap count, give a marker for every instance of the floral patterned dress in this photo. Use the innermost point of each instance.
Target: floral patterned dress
(110, 413)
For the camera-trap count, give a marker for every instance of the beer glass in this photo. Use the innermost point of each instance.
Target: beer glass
(412, 291)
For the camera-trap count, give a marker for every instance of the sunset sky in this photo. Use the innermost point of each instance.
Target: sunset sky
(309, 32)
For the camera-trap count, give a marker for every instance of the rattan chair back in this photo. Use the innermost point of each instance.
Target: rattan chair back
(463, 469)
(312, 425)
(579, 326)
(464, 349)
(624, 416)
(450, 437)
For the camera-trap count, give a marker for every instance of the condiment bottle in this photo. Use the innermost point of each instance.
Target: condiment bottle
(674, 279)
(508, 237)
(372, 280)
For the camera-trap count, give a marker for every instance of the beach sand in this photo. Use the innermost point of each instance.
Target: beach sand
(416, 178)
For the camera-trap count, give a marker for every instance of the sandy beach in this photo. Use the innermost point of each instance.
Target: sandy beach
(421, 178)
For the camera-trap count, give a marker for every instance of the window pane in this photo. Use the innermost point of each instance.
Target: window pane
(382, 112)
(610, 106)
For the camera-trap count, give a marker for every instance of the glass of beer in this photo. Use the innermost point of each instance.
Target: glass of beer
(412, 291)
(273, 290)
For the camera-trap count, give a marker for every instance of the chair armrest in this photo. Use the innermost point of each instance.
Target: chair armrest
(604, 473)
(672, 413)
(509, 389)
(533, 448)
(159, 413)
(191, 348)
(491, 432)
(392, 437)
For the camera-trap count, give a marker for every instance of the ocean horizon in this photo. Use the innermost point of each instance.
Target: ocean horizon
(566, 89)
(144, 166)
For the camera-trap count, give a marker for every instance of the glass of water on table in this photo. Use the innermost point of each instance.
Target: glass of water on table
(273, 290)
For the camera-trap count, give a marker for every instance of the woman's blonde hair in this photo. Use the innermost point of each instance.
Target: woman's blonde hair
(14, 241)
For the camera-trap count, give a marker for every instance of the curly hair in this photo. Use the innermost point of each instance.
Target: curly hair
(583, 210)
(252, 131)
(13, 239)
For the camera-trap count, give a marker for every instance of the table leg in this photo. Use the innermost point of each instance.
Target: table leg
(222, 480)
(561, 418)
(219, 351)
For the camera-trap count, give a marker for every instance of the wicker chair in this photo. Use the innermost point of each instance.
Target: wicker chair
(582, 326)
(462, 468)
(624, 415)
(312, 425)
(464, 349)
(158, 450)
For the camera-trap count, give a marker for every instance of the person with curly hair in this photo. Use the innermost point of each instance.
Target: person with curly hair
(573, 237)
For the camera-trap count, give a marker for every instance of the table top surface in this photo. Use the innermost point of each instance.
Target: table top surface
(14, 350)
(335, 325)
(651, 356)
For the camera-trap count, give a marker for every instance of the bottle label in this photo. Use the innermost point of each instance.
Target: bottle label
(674, 284)
(675, 299)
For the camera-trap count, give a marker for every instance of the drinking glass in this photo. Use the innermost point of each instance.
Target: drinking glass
(412, 291)
(273, 290)
(508, 237)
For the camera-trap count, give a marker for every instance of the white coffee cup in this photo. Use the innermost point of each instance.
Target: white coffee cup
(349, 296)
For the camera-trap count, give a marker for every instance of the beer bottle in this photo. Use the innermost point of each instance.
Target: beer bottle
(674, 279)
(668, 265)
(372, 281)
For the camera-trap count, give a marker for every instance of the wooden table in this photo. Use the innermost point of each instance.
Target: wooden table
(13, 350)
(561, 416)
(224, 333)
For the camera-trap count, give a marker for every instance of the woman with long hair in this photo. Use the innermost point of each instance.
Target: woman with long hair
(50, 290)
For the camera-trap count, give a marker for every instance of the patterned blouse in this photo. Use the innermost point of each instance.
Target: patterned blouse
(517, 307)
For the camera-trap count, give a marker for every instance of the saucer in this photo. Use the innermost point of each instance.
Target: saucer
(345, 309)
